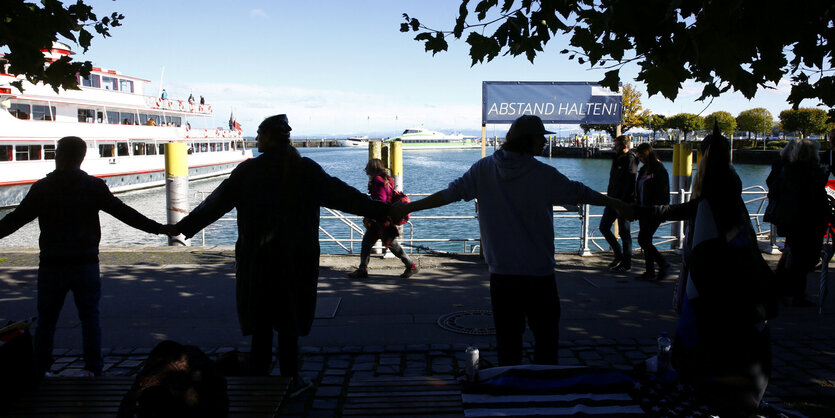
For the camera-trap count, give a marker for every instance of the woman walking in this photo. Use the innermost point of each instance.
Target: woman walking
(652, 188)
(381, 187)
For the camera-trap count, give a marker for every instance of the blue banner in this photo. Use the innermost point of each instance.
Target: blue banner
(553, 101)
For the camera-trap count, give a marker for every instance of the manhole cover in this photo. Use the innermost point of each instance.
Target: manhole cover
(468, 322)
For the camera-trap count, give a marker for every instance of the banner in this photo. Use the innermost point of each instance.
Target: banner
(553, 101)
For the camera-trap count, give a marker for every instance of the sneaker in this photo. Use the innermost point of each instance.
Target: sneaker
(613, 264)
(621, 268)
(298, 386)
(410, 271)
(358, 274)
(646, 277)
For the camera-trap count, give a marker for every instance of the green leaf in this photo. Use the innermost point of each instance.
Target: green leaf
(482, 47)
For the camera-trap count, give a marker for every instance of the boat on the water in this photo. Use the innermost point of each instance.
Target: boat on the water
(125, 129)
(353, 142)
(419, 138)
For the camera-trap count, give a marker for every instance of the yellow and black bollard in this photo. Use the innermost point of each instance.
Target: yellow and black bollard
(176, 186)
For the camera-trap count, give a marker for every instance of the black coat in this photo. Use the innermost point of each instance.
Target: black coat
(277, 251)
(622, 177)
(655, 188)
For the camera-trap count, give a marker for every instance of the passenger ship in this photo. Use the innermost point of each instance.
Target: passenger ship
(125, 130)
(419, 138)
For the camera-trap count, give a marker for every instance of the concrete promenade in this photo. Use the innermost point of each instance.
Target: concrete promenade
(384, 325)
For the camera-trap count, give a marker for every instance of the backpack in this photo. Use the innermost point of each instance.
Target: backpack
(398, 198)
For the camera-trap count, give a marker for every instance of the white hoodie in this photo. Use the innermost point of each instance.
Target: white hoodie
(516, 194)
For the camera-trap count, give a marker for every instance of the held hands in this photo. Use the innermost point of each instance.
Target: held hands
(398, 211)
(625, 209)
(170, 230)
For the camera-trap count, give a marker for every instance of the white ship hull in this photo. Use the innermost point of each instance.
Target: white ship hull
(125, 131)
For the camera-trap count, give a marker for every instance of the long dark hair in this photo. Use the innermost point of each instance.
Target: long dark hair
(652, 159)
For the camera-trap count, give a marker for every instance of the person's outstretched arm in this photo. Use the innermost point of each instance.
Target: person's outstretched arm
(432, 201)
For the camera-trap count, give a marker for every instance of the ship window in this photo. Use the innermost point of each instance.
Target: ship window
(110, 83)
(128, 118)
(150, 149)
(122, 149)
(204, 147)
(126, 85)
(5, 152)
(20, 110)
(93, 80)
(138, 148)
(161, 149)
(43, 112)
(143, 119)
(99, 117)
(27, 152)
(213, 147)
(112, 117)
(49, 152)
(226, 146)
(107, 150)
(86, 115)
(177, 120)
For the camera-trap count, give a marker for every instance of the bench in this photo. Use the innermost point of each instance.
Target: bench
(404, 396)
(100, 396)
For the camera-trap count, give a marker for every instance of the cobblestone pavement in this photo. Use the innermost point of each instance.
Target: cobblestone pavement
(803, 377)
(804, 358)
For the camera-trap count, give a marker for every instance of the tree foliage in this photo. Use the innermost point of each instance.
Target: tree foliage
(630, 116)
(743, 45)
(807, 121)
(757, 120)
(653, 122)
(685, 122)
(28, 28)
(726, 121)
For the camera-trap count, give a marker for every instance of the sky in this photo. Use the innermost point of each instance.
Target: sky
(339, 68)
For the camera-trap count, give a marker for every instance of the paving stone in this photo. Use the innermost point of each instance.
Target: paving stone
(311, 366)
(416, 357)
(564, 352)
(396, 348)
(130, 363)
(438, 353)
(584, 342)
(416, 364)
(144, 351)
(328, 392)
(372, 349)
(414, 372)
(615, 359)
(605, 341)
(567, 343)
(365, 358)
(338, 364)
(310, 350)
(119, 351)
(329, 404)
(332, 380)
(359, 367)
(336, 372)
(589, 355)
(389, 361)
(459, 347)
(331, 350)
(417, 347)
(360, 375)
(440, 347)
(60, 351)
(388, 370)
(442, 368)
(635, 355)
(352, 349)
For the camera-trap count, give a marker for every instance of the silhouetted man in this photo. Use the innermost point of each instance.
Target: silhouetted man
(67, 204)
(516, 195)
(622, 177)
(278, 196)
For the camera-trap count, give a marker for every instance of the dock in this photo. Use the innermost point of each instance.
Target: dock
(384, 327)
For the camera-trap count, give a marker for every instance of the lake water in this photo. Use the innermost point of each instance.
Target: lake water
(425, 171)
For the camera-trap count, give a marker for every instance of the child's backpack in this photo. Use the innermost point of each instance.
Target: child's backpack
(398, 198)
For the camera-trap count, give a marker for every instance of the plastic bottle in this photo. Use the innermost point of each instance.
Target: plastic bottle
(664, 345)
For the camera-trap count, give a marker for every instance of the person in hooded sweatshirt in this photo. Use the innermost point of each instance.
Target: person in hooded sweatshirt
(516, 194)
(67, 204)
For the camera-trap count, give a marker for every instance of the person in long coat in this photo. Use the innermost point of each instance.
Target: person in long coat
(278, 196)
(726, 292)
(651, 188)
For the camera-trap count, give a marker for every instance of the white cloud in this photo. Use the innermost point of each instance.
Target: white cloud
(258, 13)
(330, 113)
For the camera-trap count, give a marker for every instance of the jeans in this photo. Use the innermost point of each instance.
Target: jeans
(651, 254)
(515, 298)
(368, 241)
(606, 221)
(54, 282)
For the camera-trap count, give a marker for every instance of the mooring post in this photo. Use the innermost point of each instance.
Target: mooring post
(176, 187)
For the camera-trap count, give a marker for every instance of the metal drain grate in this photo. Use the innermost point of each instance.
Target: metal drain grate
(468, 322)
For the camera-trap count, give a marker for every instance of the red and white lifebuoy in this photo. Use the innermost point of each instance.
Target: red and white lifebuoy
(182, 106)
(159, 102)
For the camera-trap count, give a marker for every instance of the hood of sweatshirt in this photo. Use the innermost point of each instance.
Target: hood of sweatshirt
(512, 165)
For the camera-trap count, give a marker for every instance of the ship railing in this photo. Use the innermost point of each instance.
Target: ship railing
(588, 237)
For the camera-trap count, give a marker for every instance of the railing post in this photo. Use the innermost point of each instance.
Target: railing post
(584, 249)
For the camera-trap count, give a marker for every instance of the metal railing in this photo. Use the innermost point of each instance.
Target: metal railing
(588, 237)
